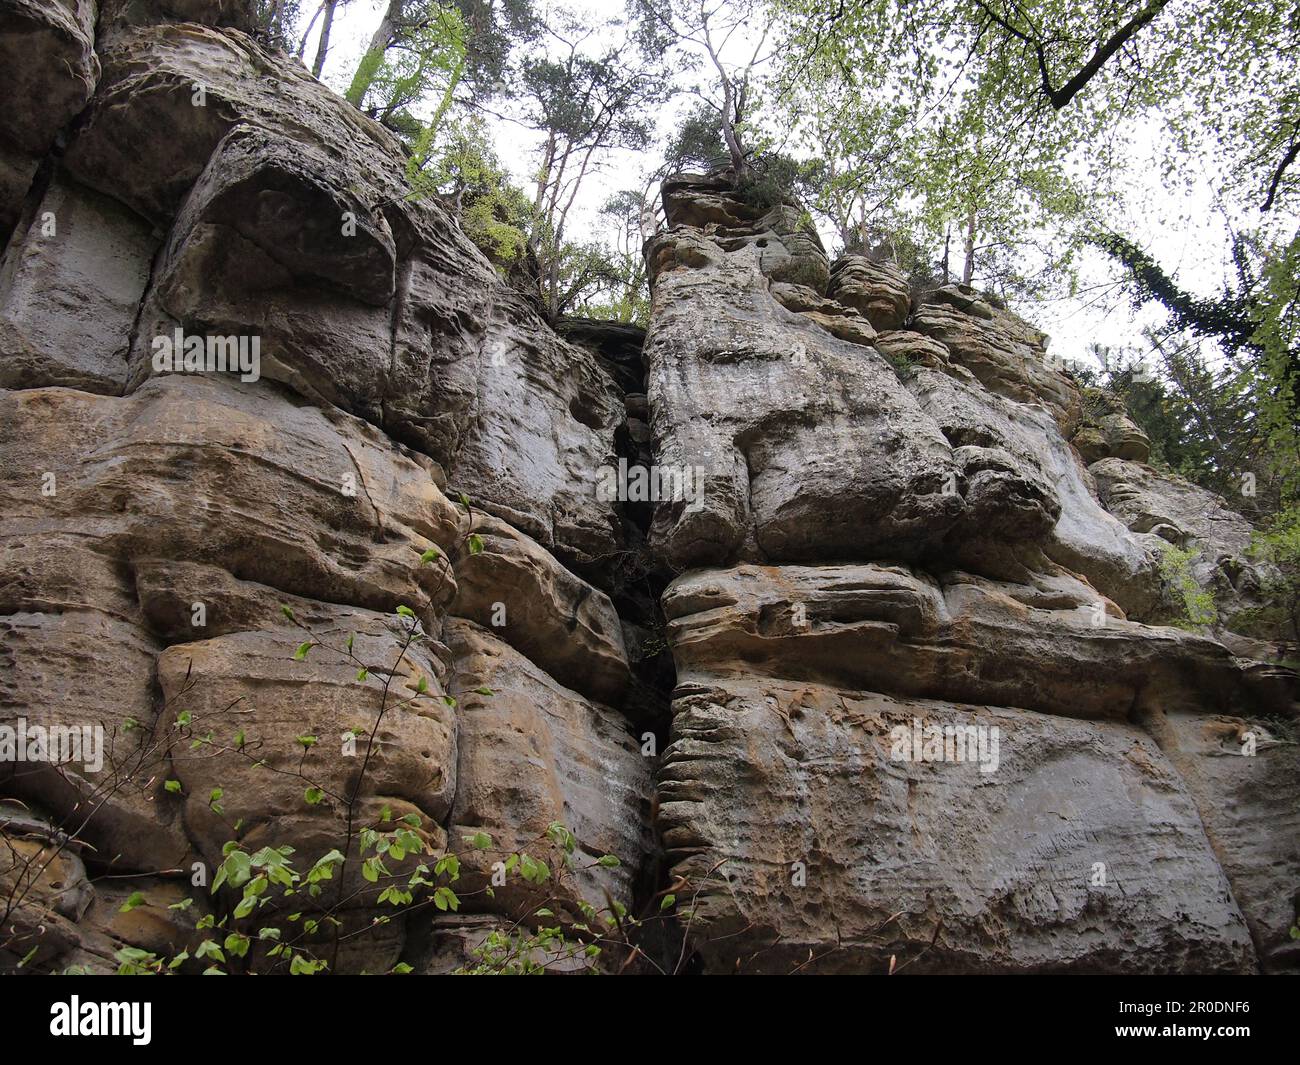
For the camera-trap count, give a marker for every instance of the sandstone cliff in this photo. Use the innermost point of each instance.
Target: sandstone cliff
(903, 519)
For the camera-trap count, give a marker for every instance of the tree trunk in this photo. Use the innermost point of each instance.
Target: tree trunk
(384, 36)
(302, 44)
(968, 267)
(324, 45)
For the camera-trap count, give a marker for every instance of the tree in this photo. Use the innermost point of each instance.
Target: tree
(1063, 46)
(1256, 323)
(326, 15)
(586, 101)
(608, 281)
(464, 172)
(715, 30)
(923, 146)
(274, 21)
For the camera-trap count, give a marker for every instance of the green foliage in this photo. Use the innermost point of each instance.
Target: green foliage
(427, 56)
(925, 131)
(1278, 547)
(464, 171)
(902, 366)
(495, 29)
(696, 144)
(1194, 603)
(586, 101)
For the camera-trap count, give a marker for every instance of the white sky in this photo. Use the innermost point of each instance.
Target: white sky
(1182, 230)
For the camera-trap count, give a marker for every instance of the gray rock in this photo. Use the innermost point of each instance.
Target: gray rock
(809, 446)
(1169, 507)
(47, 51)
(826, 853)
(70, 288)
(878, 291)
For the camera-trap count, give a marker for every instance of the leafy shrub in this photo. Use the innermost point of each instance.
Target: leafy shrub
(1194, 602)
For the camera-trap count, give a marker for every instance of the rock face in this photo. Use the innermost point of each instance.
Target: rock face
(924, 717)
(175, 533)
(309, 524)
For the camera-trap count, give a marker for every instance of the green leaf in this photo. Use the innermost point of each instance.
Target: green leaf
(314, 796)
(405, 611)
(287, 612)
(303, 648)
(475, 543)
(667, 901)
(300, 966)
(485, 691)
(429, 556)
(173, 786)
(422, 685)
(362, 674)
(609, 861)
(209, 949)
(136, 898)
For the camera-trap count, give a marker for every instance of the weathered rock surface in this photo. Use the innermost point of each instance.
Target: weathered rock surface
(70, 287)
(904, 516)
(1160, 505)
(878, 291)
(287, 220)
(542, 609)
(805, 445)
(1051, 647)
(533, 753)
(826, 843)
(154, 522)
(47, 50)
(803, 838)
(1242, 774)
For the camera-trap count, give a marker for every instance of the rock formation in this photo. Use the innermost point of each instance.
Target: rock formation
(876, 514)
